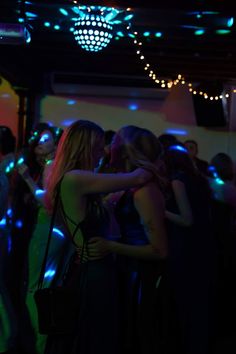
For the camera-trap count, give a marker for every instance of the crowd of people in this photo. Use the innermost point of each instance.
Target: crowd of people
(144, 233)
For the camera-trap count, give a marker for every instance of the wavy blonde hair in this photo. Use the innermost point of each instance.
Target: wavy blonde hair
(143, 149)
(75, 151)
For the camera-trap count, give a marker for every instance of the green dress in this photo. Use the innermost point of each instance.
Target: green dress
(32, 340)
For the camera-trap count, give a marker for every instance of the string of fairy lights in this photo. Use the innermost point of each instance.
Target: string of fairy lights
(168, 83)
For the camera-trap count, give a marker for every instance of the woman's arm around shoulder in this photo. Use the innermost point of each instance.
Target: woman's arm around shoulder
(92, 183)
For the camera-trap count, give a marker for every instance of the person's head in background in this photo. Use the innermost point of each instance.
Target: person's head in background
(177, 160)
(41, 148)
(7, 141)
(167, 140)
(224, 166)
(192, 147)
(80, 147)
(134, 147)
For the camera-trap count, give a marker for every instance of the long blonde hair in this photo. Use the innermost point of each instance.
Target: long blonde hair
(142, 149)
(75, 151)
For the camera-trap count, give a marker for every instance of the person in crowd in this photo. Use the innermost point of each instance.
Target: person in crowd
(222, 182)
(167, 140)
(142, 249)
(192, 147)
(44, 140)
(73, 180)
(24, 205)
(7, 316)
(191, 249)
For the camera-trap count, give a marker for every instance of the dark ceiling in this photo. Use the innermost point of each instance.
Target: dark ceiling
(209, 58)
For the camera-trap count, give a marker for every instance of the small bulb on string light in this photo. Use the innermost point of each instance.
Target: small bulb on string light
(194, 92)
(142, 57)
(201, 93)
(145, 68)
(163, 85)
(157, 81)
(183, 82)
(221, 96)
(162, 81)
(227, 95)
(140, 43)
(179, 76)
(216, 97)
(206, 96)
(190, 85)
(211, 98)
(135, 41)
(138, 52)
(190, 90)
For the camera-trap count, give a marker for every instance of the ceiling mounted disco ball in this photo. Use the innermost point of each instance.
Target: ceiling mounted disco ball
(93, 32)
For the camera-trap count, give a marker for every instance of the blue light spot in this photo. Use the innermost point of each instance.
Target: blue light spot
(47, 24)
(146, 34)
(120, 34)
(31, 14)
(72, 29)
(58, 232)
(19, 224)
(67, 122)
(178, 148)
(211, 168)
(9, 212)
(21, 20)
(158, 34)
(71, 102)
(176, 132)
(3, 222)
(39, 192)
(20, 161)
(56, 27)
(63, 12)
(199, 32)
(133, 107)
(49, 273)
(230, 22)
(219, 181)
(43, 138)
(128, 17)
(11, 165)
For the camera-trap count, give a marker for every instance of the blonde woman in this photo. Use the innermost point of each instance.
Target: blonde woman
(140, 213)
(72, 176)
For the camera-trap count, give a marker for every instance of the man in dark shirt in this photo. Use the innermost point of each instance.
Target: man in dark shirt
(192, 147)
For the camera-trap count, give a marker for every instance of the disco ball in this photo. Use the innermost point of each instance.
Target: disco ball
(93, 32)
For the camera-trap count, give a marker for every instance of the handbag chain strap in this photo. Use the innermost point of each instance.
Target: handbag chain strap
(42, 271)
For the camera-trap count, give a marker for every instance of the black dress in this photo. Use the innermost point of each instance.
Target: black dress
(96, 328)
(140, 285)
(192, 265)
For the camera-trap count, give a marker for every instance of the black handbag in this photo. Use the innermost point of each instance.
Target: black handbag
(57, 306)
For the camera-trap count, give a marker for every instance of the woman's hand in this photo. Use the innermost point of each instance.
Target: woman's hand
(144, 175)
(97, 248)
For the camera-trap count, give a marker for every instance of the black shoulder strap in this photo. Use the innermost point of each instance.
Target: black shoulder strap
(42, 272)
